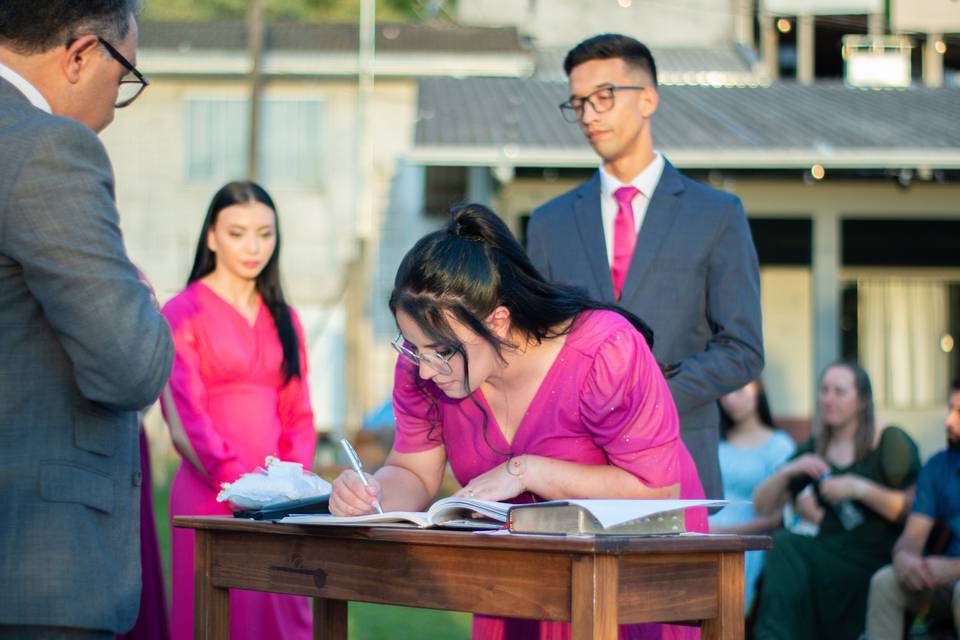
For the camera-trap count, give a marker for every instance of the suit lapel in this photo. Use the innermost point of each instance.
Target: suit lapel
(659, 219)
(586, 209)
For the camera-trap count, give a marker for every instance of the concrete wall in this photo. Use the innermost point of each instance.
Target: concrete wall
(559, 23)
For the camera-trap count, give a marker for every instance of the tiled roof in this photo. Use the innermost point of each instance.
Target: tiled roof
(297, 36)
(819, 120)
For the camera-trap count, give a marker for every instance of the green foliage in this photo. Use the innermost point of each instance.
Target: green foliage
(381, 622)
(299, 10)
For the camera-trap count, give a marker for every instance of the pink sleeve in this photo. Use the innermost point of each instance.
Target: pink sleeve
(298, 436)
(417, 414)
(626, 405)
(189, 411)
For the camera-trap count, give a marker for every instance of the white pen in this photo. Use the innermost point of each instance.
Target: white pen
(355, 463)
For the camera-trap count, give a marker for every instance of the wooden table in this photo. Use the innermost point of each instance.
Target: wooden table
(593, 582)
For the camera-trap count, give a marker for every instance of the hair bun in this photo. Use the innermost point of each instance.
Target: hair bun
(475, 222)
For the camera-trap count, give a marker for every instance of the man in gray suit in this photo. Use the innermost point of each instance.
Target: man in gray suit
(82, 347)
(670, 249)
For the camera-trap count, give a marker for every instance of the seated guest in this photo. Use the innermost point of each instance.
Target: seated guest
(913, 582)
(751, 449)
(530, 391)
(816, 587)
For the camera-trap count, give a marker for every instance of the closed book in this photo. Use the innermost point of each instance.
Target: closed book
(604, 517)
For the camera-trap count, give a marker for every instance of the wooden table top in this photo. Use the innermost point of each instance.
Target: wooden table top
(520, 542)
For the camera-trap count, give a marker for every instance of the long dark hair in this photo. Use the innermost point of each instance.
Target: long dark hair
(763, 411)
(268, 280)
(866, 419)
(472, 267)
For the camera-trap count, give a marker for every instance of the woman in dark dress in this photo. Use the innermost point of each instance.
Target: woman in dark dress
(816, 587)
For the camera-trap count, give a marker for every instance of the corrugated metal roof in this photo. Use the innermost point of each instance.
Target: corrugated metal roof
(297, 36)
(824, 119)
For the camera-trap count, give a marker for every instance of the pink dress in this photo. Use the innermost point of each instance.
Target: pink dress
(603, 401)
(231, 404)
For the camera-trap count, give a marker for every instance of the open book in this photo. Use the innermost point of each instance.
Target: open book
(454, 512)
(569, 517)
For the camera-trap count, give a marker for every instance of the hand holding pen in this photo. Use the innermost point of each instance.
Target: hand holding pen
(358, 467)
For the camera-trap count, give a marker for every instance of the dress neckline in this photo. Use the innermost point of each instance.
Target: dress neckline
(226, 303)
(533, 401)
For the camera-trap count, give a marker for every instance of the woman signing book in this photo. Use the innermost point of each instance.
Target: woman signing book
(529, 390)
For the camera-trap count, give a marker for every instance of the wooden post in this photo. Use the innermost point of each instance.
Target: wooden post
(806, 48)
(728, 625)
(769, 45)
(932, 61)
(255, 49)
(743, 18)
(329, 619)
(362, 270)
(594, 593)
(211, 604)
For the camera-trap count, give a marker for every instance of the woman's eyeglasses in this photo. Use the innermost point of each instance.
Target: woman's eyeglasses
(439, 362)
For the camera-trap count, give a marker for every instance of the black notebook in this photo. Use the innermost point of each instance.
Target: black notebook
(316, 504)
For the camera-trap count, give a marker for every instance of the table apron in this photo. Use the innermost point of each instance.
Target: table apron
(498, 582)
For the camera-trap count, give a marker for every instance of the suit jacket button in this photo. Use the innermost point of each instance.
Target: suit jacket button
(137, 478)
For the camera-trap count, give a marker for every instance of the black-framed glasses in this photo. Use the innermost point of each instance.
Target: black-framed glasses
(130, 88)
(436, 361)
(601, 100)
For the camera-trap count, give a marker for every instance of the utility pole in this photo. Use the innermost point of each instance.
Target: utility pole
(363, 268)
(255, 29)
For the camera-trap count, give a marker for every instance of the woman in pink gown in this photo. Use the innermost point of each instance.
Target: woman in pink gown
(530, 391)
(238, 393)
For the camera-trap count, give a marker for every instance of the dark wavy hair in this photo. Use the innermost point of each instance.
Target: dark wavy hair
(470, 268)
(866, 418)
(608, 46)
(268, 281)
(763, 412)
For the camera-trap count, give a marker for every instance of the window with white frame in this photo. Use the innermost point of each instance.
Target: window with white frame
(290, 142)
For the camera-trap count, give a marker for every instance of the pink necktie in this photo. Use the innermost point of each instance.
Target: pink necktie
(624, 237)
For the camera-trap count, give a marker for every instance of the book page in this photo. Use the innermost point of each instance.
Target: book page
(459, 508)
(453, 512)
(390, 518)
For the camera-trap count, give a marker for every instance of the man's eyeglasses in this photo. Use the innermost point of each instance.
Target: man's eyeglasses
(132, 84)
(601, 100)
(130, 87)
(436, 361)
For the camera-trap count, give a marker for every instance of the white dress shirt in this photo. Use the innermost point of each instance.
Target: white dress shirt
(646, 182)
(32, 94)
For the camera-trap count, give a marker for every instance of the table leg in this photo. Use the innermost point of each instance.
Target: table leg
(594, 592)
(329, 619)
(728, 625)
(211, 604)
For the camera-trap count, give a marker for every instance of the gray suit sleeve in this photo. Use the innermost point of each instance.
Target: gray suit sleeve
(62, 228)
(734, 355)
(537, 246)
